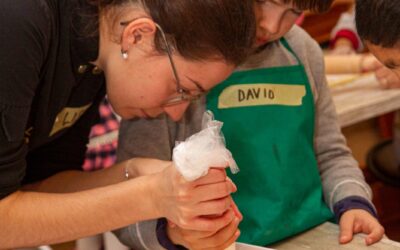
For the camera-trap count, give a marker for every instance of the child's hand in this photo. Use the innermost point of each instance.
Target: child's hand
(210, 240)
(385, 76)
(197, 240)
(360, 221)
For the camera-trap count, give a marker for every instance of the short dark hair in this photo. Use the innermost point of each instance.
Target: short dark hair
(313, 5)
(199, 29)
(378, 21)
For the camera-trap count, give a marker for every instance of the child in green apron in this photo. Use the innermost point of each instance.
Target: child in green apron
(280, 125)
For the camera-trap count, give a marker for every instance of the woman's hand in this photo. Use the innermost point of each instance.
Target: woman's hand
(187, 204)
(360, 221)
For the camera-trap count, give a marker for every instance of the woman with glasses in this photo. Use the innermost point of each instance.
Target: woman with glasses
(58, 58)
(296, 171)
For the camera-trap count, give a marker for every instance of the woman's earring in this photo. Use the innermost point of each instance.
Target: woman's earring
(124, 54)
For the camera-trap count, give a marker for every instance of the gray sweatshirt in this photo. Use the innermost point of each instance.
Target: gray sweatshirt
(340, 174)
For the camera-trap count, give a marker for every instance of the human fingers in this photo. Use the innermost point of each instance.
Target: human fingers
(236, 210)
(232, 183)
(206, 199)
(392, 78)
(185, 214)
(375, 232)
(381, 72)
(213, 207)
(189, 238)
(176, 201)
(357, 227)
(214, 191)
(369, 63)
(381, 76)
(211, 240)
(224, 237)
(209, 224)
(171, 224)
(231, 241)
(346, 228)
(174, 198)
(212, 186)
(214, 175)
(383, 82)
(389, 82)
(387, 78)
(186, 237)
(394, 82)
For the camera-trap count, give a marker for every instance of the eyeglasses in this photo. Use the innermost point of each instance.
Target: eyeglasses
(183, 95)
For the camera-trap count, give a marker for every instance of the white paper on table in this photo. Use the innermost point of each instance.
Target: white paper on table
(338, 80)
(243, 246)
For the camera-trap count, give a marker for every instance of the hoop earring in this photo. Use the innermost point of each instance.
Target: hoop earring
(124, 54)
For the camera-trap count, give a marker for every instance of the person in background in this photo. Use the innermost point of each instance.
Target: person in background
(103, 140)
(344, 38)
(58, 59)
(346, 54)
(378, 25)
(102, 153)
(280, 124)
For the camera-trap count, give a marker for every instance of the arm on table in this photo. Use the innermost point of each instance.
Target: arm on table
(345, 190)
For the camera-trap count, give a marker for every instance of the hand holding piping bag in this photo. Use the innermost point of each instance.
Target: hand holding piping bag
(194, 158)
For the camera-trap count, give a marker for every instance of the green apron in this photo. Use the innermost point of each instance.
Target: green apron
(268, 117)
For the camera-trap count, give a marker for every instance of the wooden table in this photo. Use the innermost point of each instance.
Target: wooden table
(363, 99)
(325, 237)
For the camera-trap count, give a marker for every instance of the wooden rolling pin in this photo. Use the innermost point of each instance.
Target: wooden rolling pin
(343, 64)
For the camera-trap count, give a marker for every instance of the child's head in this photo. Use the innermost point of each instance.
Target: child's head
(276, 17)
(378, 25)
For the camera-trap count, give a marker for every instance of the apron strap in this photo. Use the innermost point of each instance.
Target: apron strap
(285, 44)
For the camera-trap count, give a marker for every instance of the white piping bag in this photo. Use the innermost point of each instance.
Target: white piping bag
(194, 157)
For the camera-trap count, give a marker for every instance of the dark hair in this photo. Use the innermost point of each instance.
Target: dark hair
(199, 29)
(378, 21)
(313, 5)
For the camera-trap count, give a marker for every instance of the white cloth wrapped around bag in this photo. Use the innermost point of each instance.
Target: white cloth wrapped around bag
(194, 157)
